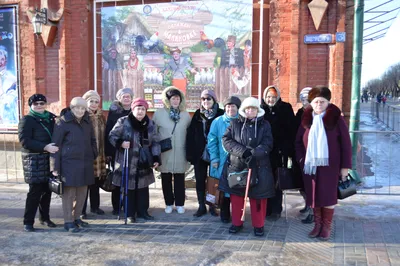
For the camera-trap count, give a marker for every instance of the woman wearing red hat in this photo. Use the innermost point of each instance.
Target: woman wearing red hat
(132, 132)
(323, 149)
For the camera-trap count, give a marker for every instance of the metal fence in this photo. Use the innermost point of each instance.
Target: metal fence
(388, 114)
(10, 158)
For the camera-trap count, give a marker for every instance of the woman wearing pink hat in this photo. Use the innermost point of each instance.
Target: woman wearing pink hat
(132, 132)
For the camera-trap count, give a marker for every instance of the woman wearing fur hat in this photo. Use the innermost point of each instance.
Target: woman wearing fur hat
(197, 137)
(323, 149)
(280, 116)
(248, 140)
(133, 132)
(119, 108)
(34, 132)
(172, 122)
(218, 155)
(74, 135)
(96, 117)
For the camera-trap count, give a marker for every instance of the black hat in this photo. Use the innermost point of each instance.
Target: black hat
(37, 98)
(173, 92)
(319, 91)
(233, 100)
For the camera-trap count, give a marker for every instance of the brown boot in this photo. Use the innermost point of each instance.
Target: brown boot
(327, 215)
(317, 223)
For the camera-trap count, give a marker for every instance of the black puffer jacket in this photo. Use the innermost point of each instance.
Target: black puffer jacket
(115, 112)
(241, 136)
(195, 137)
(34, 138)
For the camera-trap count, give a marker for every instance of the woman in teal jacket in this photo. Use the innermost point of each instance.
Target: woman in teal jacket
(218, 155)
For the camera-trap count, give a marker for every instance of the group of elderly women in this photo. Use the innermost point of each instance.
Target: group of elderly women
(245, 140)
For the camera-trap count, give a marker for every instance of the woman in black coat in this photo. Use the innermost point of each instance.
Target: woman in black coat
(196, 139)
(280, 116)
(34, 132)
(248, 140)
(119, 108)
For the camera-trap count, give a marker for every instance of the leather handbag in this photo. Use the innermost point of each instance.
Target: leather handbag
(206, 155)
(56, 186)
(286, 177)
(347, 188)
(212, 193)
(239, 179)
(145, 159)
(107, 184)
(166, 144)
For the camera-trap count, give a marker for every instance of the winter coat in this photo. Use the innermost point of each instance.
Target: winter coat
(77, 150)
(99, 125)
(34, 138)
(173, 161)
(281, 118)
(115, 112)
(298, 117)
(197, 137)
(214, 145)
(240, 136)
(321, 188)
(125, 130)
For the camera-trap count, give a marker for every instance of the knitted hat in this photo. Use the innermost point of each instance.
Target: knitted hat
(304, 93)
(123, 91)
(273, 87)
(232, 100)
(210, 93)
(78, 101)
(139, 102)
(173, 92)
(37, 98)
(319, 91)
(251, 102)
(91, 95)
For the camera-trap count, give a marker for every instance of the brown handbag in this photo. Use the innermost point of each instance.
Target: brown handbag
(213, 197)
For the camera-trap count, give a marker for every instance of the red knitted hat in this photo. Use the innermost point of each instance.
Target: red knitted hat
(139, 102)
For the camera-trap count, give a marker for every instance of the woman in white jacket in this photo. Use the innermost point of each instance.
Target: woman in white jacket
(172, 122)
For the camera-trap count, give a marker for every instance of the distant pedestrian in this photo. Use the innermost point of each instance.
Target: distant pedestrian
(384, 99)
(323, 149)
(34, 132)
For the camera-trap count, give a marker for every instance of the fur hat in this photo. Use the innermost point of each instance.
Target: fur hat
(210, 93)
(123, 91)
(175, 49)
(251, 102)
(304, 93)
(319, 91)
(78, 101)
(232, 100)
(173, 91)
(139, 102)
(37, 98)
(91, 95)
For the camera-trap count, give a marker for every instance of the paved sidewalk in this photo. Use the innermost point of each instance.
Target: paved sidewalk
(366, 232)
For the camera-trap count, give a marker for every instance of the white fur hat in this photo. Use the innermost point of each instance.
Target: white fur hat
(251, 102)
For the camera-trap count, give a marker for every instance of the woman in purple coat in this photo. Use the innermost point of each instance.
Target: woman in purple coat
(323, 149)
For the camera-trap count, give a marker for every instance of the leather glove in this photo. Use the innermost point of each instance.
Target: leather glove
(246, 154)
(251, 162)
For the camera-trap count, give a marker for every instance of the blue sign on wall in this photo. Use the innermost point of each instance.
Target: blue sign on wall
(318, 38)
(340, 36)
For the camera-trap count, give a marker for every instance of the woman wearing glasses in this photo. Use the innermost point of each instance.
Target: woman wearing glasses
(196, 139)
(96, 117)
(34, 132)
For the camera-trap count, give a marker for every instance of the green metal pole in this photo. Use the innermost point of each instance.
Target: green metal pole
(356, 82)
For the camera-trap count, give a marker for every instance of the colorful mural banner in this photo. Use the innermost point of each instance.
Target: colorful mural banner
(9, 114)
(193, 45)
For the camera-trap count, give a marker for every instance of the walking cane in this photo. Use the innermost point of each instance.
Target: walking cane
(124, 187)
(246, 194)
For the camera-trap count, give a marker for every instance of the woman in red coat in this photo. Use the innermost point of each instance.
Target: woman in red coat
(323, 149)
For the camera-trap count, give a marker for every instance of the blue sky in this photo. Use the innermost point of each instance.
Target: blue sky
(380, 54)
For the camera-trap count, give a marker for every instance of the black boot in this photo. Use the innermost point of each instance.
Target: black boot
(202, 210)
(258, 231)
(305, 209)
(309, 219)
(225, 210)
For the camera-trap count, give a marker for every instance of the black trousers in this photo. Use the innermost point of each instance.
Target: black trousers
(178, 194)
(115, 198)
(39, 195)
(274, 205)
(200, 172)
(138, 201)
(94, 192)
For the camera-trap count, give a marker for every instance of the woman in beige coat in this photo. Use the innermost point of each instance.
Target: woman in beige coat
(172, 122)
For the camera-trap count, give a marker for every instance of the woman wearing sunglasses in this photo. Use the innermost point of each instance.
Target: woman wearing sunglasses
(34, 132)
(197, 141)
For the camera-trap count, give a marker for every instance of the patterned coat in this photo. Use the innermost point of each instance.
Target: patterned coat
(321, 188)
(99, 125)
(124, 131)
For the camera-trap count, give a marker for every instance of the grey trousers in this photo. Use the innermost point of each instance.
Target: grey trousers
(72, 202)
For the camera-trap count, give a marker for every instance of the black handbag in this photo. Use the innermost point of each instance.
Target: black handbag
(166, 144)
(239, 179)
(56, 186)
(286, 177)
(107, 184)
(145, 159)
(347, 188)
